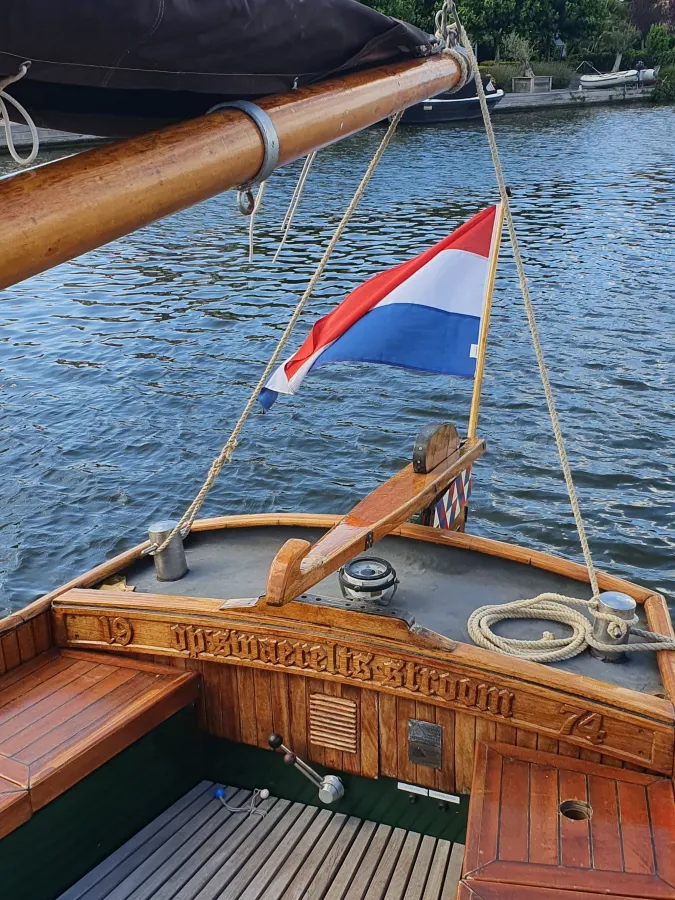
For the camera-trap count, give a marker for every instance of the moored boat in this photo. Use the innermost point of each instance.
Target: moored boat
(628, 78)
(453, 107)
(303, 705)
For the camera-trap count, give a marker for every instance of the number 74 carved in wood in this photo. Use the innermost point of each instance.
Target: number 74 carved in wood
(584, 724)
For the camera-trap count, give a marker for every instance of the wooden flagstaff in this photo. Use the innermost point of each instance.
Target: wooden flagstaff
(54, 213)
(485, 321)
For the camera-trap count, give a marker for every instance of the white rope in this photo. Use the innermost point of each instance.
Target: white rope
(258, 200)
(295, 200)
(250, 808)
(6, 98)
(558, 608)
(185, 523)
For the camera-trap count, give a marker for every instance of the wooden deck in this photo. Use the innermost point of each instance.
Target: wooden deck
(199, 850)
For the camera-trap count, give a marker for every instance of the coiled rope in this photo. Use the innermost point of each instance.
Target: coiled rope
(547, 606)
(185, 523)
(6, 98)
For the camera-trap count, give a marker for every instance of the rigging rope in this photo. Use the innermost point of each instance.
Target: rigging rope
(258, 200)
(554, 607)
(529, 310)
(185, 524)
(6, 98)
(295, 200)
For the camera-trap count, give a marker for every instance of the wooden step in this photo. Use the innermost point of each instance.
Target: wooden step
(540, 824)
(65, 713)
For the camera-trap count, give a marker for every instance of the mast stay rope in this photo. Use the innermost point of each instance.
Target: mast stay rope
(185, 523)
(547, 606)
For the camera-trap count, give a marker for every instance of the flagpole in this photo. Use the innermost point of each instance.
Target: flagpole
(485, 320)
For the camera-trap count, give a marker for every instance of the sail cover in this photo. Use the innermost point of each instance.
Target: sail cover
(115, 67)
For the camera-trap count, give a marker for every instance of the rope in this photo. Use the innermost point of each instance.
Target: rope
(295, 200)
(190, 514)
(250, 808)
(554, 607)
(258, 199)
(557, 608)
(6, 121)
(504, 195)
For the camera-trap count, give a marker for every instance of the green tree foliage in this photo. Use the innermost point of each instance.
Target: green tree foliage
(657, 43)
(586, 26)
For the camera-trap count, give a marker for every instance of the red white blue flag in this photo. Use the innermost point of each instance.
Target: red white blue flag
(423, 314)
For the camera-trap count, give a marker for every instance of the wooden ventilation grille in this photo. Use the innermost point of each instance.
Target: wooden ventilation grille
(332, 722)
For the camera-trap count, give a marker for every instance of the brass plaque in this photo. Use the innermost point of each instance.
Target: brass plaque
(424, 743)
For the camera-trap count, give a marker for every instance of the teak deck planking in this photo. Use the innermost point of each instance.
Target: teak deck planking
(64, 713)
(200, 850)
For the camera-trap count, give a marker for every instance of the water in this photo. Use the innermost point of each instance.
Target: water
(123, 371)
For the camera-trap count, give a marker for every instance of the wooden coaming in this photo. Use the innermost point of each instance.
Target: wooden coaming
(223, 711)
(370, 655)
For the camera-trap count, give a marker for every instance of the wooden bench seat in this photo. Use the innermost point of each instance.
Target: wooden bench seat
(65, 713)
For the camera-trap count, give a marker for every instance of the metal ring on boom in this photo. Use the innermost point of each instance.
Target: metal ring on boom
(270, 140)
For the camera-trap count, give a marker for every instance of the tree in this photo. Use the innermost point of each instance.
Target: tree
(645, 13)
(488, 21)
(620, 37)
(582, 22)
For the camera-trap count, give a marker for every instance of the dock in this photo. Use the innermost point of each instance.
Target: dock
(572, 97)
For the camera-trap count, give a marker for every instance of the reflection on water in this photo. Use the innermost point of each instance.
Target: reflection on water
(123, 371)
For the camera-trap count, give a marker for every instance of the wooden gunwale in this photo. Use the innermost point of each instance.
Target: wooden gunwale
(656, 610)
(367, 632)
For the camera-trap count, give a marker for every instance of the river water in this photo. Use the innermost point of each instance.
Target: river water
(123, 371)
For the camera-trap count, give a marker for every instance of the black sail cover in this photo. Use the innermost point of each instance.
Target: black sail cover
(114, 67)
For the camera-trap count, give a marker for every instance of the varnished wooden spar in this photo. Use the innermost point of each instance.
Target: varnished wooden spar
(57, 212)
(298, 566)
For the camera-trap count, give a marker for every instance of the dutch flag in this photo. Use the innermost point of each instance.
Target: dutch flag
(423, 314)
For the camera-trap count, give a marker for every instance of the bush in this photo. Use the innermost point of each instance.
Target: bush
(561, 72)
(657, 43)
(502, 73)
(664, 90)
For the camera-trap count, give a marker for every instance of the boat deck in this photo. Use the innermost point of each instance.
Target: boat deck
(200, 850)
(439, 588)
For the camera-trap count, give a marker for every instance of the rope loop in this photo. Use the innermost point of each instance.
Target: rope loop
(6, 98)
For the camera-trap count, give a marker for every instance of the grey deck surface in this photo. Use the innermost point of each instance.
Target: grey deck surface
(439, 588)
(199, 850)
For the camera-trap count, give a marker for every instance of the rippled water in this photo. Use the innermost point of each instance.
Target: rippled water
(123, 371)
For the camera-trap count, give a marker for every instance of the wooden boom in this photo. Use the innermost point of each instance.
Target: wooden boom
(299, 566)
(56, 212)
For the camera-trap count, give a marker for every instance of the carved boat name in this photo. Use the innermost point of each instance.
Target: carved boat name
(337, 659)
